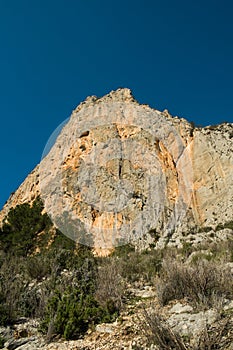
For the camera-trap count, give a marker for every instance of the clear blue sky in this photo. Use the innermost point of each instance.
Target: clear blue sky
(173, 54)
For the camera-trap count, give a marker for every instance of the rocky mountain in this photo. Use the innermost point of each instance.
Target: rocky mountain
(125, 176)
(121, 172)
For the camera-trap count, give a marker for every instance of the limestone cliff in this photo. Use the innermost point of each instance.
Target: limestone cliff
(123, 172)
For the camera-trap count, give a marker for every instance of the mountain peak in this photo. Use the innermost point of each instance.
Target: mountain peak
(119, 95)
(122, 172)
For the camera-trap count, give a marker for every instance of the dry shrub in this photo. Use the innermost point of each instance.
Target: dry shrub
(110, 285)
(216, 336)
(203, 283)
(158, 333)
(11, 289)
(137, 265)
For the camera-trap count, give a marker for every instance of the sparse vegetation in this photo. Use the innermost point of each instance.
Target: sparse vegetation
(157, 332)
(137, 265)
(43, 274)
(201, 282)
(72, 307)
(217, 336)
(51, 278)
(110, 286)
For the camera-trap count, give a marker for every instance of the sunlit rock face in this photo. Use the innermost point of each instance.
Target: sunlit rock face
(213, 175)
(120, 172)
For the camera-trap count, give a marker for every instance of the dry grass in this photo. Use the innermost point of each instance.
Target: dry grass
(204, 283)
(158, 333)
(110, 285)
(218, 336)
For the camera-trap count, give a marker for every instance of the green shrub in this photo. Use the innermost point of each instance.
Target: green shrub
(228, 224)
(186, 249)
(38, 266)
(72, 305)
(2, 341)
(65, 298)
(137, 265)
(71, 313)
(72, 310)
(21, 227)
(5, 317)
(60, 240)
(122, 251)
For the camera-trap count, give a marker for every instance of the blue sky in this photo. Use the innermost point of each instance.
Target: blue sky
(173, 54)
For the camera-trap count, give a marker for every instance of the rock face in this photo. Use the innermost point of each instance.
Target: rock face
(122, 172)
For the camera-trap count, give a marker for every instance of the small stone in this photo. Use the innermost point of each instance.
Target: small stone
(180, 308)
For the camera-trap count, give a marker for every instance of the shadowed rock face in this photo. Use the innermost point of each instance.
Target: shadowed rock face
(122, 172)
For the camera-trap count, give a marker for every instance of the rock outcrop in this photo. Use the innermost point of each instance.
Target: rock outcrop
(121, 172)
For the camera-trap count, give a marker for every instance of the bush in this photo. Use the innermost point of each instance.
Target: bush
(72, 305)
(228, 224)
(60, 240)
(43, 274)
(19, 234)
(18, 298)
(38, 266)
(70, 313)
(137, 265)
(201, 283)
(157, 332)
(2, 342)
(110, 285)
(216, 336)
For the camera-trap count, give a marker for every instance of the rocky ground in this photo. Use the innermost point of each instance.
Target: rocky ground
(133, 328)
